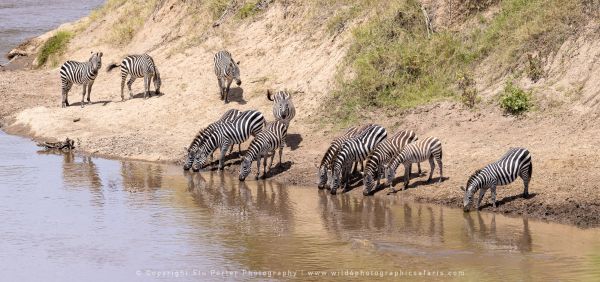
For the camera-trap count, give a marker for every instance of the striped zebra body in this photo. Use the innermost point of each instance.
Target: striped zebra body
(283, 107)
(515, 163)
(382, 155)
(84, 73)
(416, 152)
(138, 66)
(203, 135)
(354, 150)
(226, 70)
(271, 138)
(223, 135)
(325, 166)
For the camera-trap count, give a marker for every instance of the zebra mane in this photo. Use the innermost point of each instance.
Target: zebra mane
(473, 177)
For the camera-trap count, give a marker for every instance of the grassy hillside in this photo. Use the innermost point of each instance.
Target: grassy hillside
(394, 63)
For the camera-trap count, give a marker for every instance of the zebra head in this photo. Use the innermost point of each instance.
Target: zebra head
(199, 159)
(245, 168)
(323, 177)
(369, 183)
(189, 159)
(96, 60)
(472, 187)
(235, 72)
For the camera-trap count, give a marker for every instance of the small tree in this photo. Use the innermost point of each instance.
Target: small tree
(515, 100)
(466, 85)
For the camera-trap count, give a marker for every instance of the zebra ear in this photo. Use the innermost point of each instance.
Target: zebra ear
(100, 54)
(462, 188)
(238, 62)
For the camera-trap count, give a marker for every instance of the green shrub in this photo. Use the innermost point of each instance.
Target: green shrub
(466, 85)
(534, 68)
(248, 10)
(55, 45)
(217, 7)
(515, 100)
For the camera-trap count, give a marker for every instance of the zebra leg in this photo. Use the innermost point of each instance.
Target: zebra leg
(406, 175)
(89, 91)
(129, 83)
(83, 94)
(257, 166)
(439, 162)
(223, 152)
(493, 191)
(481, 194)
(65, 92)
(432, 166)
(123, 78)
(146, 86)
(419, 166)
(280, 154)
(227, 91)
(221, 88)
(265, 167)
(526, 176)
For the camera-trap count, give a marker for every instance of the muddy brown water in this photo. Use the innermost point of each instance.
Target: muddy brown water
(68, 217)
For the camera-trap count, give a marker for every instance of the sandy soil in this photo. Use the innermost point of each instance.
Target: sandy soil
(276, 55)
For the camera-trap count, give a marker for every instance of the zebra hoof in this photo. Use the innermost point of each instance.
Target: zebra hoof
(333, 192)
(366, 193)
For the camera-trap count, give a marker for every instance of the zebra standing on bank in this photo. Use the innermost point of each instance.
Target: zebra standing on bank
(203, 135)
(283, 108)
(138, 66)
(226, 134)
(226, 70)
(416, 152)
(271, 138)
(354, 150)
(327, 160)
(382, 155)
(516, 162)
(83, 73)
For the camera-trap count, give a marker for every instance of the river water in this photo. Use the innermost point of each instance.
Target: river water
(67, 217)
(23, 19)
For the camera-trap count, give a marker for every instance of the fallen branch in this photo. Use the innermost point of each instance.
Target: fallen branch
(64, 146)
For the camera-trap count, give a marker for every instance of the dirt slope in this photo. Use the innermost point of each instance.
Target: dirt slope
(298, 53)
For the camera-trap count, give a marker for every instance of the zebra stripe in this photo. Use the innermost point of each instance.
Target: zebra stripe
(138, 66)
(226, 70)
(223, 135)
(326, 162)
(283, 108)
(382, 155)
(84, 73)
(272, 137)
(354, 150)
(515, 163)
(203, 135)
(416, 152)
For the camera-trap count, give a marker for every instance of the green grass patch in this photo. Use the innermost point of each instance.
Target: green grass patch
(217, 7)
(130, 21)
(248, 10)
(54, 46)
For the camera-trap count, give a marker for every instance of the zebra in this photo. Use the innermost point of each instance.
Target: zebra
(354, 150)
(80, 73)
(223, 135)
(516, 162)
(283, 108)
(325, 166)
(271, 138)
(382, 155)
(226, 70)
(203, 134)
(416, 152)
(138, 66)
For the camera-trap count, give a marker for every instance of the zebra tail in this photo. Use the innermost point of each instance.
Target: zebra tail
(269, 95)
(112, 66)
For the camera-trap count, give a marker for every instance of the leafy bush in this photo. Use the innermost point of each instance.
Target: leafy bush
(55, 45)
(248, 10)
(515, 100)
(534, 68)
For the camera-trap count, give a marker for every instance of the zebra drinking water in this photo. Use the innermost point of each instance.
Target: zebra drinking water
(382, 155)
(266, 142)
(516, 162)
(326, 162)
(354, 150)
(283, 108)
(203, 135)
(83, 73)
(416, 152)
(226, 70)
(138, 66)
(225, 134)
